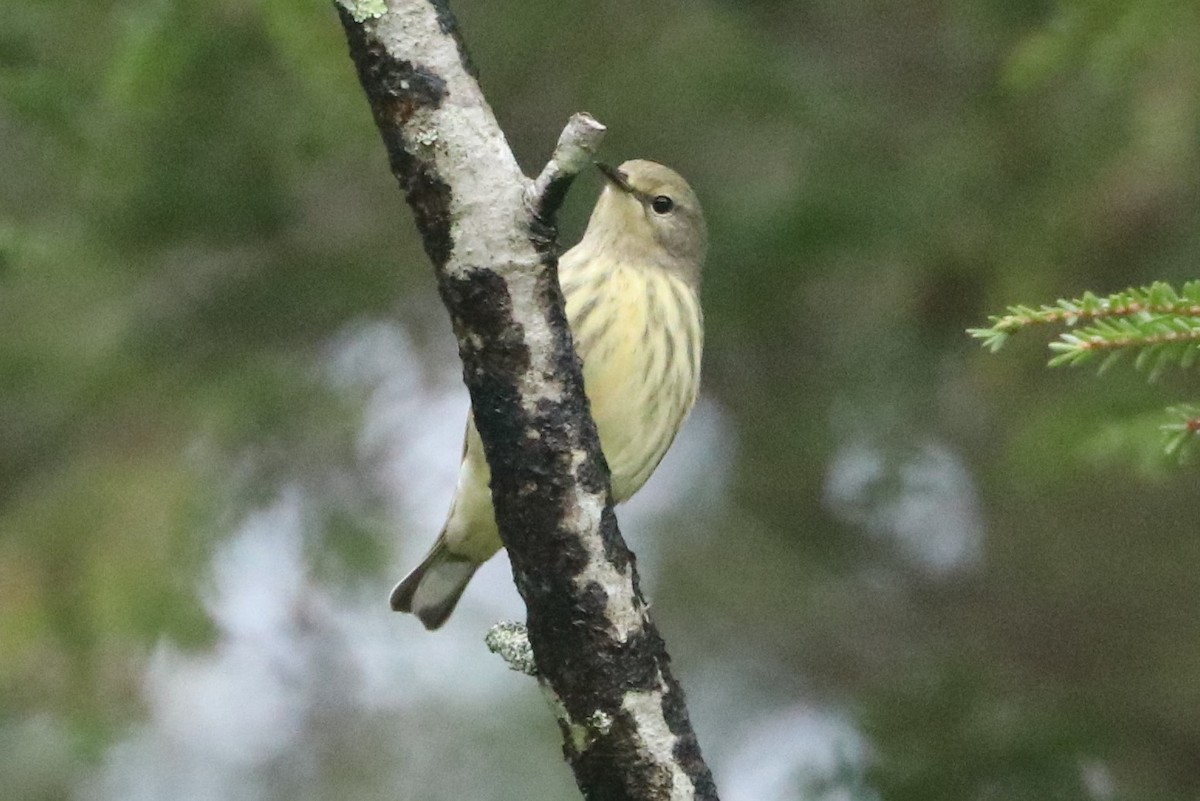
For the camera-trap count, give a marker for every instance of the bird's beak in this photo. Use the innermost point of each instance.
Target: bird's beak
(615, 177)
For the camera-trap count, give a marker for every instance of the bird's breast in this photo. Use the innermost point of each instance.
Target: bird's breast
(639, 333)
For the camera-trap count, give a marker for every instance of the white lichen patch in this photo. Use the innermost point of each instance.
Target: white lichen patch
(426, 137)
(510, 640)
(646, 708)
(363, 10)
(534, 390)
(601, 722)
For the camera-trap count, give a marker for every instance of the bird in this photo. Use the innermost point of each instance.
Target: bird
(632, 291)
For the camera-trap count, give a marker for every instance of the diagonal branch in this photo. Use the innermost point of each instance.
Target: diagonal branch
(489, 232)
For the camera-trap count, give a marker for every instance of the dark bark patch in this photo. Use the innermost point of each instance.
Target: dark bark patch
(615, 549)
(429, 196)
(396, 89)
(687, 747)
(544, 223)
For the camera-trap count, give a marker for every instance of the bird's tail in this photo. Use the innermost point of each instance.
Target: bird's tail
(432, 590)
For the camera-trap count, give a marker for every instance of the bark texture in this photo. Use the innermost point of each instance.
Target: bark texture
(489, 232)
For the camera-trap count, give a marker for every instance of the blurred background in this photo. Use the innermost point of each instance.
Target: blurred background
(887, 564)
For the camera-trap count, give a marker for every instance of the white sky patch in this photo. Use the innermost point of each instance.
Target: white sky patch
(801, 753)
(216, 717)
(224, 722)
(922, 498)
(1097, 779)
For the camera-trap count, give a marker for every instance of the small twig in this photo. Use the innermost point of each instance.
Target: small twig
(576, 148)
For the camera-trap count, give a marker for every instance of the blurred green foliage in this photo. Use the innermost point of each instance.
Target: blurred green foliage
(194, 201)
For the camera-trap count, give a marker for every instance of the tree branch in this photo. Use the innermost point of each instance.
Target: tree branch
(577, 145)
(489, 232)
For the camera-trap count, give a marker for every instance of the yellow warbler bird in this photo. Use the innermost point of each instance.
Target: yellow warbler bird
(632, 289)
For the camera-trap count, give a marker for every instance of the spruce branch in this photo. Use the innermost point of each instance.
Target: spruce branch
(1182, 432)
(1156, 324)
(1158, 301)
(1160, 341)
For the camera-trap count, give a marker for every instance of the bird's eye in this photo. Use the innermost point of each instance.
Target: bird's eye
(662, 204)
